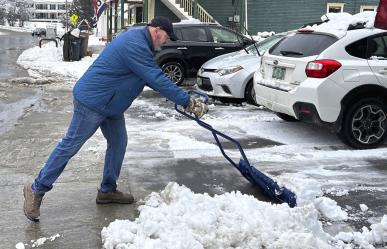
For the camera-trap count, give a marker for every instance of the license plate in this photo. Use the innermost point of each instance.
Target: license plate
(278, 73)
(199, 81)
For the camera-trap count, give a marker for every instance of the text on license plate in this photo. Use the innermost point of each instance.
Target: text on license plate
(278, 73)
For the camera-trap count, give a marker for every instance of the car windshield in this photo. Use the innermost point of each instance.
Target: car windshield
(264, 45)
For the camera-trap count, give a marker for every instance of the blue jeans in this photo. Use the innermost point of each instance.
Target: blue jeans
(83, 125)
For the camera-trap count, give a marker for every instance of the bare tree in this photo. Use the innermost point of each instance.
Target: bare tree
(2, 15)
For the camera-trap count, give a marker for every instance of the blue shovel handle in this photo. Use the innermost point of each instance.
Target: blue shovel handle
(214, 132)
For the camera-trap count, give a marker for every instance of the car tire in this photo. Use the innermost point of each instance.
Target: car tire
(250, 94)
(175, 71)
(364, 124)
(286, 117)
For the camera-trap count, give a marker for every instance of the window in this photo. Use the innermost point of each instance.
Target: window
(358, 49)
(335, 7)
(368, 8)
(223, 36)
(302, 45)
(377, 47)
(52, 7)
(61, 6)
(365, 48)
(197, 34)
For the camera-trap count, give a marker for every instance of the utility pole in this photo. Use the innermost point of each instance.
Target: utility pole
(66, 17)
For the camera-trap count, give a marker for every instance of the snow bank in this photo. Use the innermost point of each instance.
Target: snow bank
(48, 60)
(178, 218)
(339, 22)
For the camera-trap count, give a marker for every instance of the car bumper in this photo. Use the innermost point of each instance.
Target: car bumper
(226, 86)
(319, 98)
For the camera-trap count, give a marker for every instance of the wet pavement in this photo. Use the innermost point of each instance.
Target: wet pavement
(34, 118)
(12, 44)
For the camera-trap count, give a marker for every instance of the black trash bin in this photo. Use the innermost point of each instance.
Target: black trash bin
(71, 47)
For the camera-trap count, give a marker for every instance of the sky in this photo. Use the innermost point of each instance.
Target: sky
(178, 218)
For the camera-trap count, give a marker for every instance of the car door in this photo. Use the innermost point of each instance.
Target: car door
(377, 57)
(225, 41)
(194, 44)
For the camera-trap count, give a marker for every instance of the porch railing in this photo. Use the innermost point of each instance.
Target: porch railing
(195, 10)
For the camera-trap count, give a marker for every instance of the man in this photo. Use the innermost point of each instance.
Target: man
(101, 97)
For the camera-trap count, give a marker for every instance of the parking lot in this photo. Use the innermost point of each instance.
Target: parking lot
(165, 147)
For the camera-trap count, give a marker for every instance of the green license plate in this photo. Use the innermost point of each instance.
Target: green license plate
(278, 73)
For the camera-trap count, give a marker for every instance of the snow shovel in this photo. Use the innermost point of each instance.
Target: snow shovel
(256, 177)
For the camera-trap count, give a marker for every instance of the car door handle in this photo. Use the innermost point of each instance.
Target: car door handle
(219, 48)
(182, 48)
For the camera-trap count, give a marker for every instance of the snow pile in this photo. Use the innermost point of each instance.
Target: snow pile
(178, 218)
(376, 236)
(49, 60)
(338, 23)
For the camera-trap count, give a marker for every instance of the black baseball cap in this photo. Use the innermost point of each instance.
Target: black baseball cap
(164, 24)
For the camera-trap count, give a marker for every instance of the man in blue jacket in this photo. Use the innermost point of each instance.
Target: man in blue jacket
(101, 97)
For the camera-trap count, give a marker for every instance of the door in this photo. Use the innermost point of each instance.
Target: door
(377, 57)
(194, 44)
(225, 41)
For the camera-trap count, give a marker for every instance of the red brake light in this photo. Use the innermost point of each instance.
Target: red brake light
(321, 68)
(305, 30)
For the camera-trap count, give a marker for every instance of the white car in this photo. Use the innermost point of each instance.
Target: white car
(230, 76)
(334, 79)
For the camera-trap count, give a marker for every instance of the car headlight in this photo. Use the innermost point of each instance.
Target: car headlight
(228, 70)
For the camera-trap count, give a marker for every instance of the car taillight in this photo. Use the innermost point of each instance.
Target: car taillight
(321, 68)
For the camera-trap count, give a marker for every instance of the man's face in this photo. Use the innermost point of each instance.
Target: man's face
(161, 38)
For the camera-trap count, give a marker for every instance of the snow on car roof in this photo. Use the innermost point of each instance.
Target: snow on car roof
(339, 23)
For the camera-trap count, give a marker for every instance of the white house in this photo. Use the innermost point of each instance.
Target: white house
(48, 10)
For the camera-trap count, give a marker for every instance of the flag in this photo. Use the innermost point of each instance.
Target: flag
(99, 6)
(381, 15)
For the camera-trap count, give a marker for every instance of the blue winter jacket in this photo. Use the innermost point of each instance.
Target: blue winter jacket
(120, 73)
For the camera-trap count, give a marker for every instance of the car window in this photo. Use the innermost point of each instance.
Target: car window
(302, 45)
(264, 45)
(358, 48)
(223, 36)
(377, 47)
(197, 34)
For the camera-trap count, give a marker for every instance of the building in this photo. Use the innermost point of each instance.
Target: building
(252, 15)
(48, 10)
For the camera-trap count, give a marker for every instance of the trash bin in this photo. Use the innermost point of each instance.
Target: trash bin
(84, 42)
(71, 47)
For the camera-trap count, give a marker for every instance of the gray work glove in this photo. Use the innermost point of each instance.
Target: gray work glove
(197, 107)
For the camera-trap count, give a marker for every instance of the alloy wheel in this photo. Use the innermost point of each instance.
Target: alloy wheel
(174, 72)
(368, 124)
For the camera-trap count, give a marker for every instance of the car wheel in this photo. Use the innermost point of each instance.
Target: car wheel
(174, 71)
(286, 117)
(250, 94)
(364, 124)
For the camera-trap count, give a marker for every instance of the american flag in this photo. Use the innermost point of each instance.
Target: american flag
(99, 6)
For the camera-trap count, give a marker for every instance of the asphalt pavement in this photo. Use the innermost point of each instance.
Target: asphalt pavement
(34, 118)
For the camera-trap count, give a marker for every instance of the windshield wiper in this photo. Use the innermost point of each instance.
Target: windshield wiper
(288, 52)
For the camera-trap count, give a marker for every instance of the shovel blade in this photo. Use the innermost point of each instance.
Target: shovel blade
(268, 185)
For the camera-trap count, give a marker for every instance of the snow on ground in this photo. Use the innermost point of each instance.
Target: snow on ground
(178, 218)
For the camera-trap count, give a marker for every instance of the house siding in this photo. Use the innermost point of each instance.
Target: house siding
(277, 15)
(162, 10)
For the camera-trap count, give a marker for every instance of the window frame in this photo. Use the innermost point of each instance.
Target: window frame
(340, 5)
(362, 7)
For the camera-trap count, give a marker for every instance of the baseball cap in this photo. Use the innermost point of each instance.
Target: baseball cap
(164, 24)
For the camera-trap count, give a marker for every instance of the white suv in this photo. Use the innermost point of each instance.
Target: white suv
(338, 80)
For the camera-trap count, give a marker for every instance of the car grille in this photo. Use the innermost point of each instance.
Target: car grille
(206, 84)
